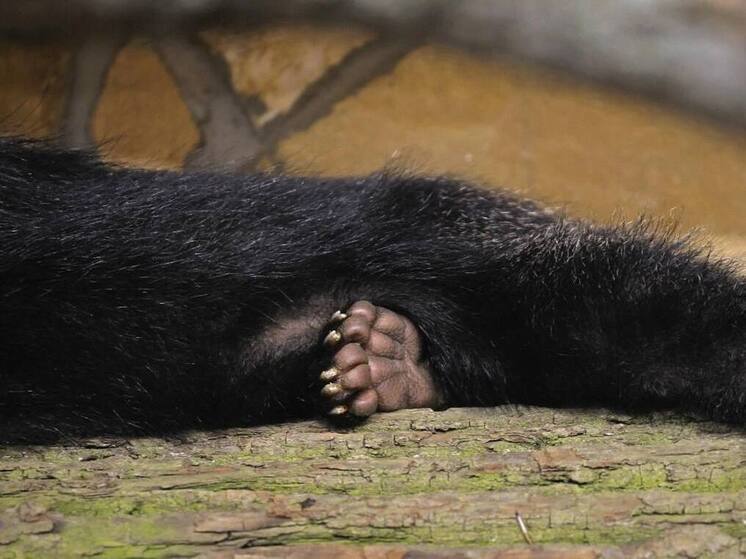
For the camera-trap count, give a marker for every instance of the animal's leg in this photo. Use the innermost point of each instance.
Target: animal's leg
(544, 309)
(622, 317)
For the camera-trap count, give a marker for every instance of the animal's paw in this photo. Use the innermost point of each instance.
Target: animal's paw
(377, 363)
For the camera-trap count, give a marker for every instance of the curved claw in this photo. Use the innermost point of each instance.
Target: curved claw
(338, 317)
(338, 410)
(331, 389)
(329, 374)
(332, 338)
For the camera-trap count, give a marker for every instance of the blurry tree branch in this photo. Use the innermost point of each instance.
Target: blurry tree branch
(691, 53)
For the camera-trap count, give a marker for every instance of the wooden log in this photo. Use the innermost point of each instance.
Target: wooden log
(459, 482)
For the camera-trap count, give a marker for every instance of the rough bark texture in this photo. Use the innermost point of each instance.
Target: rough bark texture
(412, 483)
(689, 52)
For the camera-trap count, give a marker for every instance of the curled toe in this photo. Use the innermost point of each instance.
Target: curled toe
(365, 404)
(355, 329)
(357, 378)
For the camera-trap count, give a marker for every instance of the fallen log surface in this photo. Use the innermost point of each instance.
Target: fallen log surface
(459, 483)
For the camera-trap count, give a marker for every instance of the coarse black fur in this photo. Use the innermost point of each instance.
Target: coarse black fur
(136, 301)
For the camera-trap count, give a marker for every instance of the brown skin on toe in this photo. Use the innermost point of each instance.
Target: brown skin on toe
(377, 363)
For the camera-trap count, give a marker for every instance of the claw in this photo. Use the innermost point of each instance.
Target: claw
(337, 317)
(332, 338)
(329, 374)
(338, 410)
(331, 389)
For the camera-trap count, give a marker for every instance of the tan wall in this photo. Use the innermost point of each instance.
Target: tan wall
(596, 151)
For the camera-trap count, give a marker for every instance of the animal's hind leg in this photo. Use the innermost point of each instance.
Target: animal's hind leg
(377, 363)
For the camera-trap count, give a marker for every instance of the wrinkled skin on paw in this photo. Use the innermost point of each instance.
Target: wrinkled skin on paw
(377, 363)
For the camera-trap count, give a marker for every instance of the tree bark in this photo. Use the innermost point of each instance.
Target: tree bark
(457, 483)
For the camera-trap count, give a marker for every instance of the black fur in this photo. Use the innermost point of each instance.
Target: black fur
(136, 301)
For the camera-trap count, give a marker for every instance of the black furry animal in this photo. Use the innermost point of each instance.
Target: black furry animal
(134, 301)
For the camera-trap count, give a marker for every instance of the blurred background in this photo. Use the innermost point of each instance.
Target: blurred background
(347, 99)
